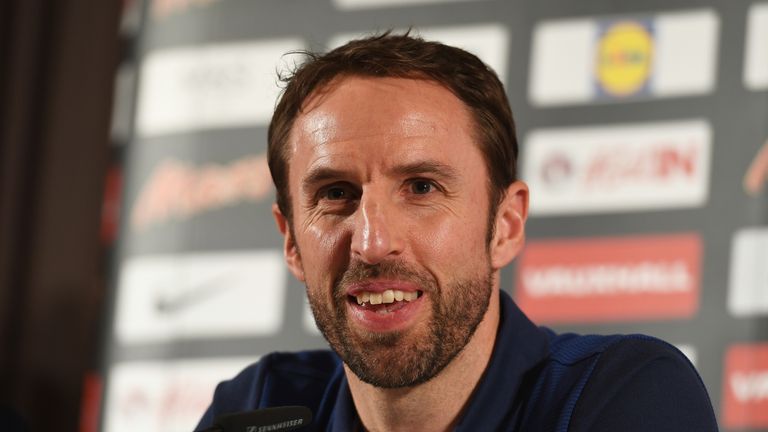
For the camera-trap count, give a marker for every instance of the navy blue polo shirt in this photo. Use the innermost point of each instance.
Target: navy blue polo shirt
(536, 381)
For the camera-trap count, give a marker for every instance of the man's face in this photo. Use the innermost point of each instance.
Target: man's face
(390, 202)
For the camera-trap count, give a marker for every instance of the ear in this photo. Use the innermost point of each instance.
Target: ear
(290, 250)
(509, 234)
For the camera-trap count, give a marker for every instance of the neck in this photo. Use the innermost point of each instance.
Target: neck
(437, 404)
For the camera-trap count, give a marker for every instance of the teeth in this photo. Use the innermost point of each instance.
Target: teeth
(386, 297)
(376, 298)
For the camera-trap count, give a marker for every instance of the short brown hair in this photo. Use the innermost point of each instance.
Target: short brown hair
(402, 56)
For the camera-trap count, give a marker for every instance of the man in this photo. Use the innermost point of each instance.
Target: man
(394, 163)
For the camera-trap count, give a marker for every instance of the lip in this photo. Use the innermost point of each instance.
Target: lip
(405, 316)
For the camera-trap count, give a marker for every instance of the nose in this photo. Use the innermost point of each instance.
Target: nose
(376, 233)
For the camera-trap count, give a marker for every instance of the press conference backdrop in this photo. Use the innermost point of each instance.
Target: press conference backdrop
(643, 131)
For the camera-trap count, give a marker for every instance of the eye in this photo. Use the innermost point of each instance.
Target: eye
(336, 193)
(422, 187)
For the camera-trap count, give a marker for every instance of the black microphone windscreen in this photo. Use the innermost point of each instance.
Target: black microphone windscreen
(277, 419)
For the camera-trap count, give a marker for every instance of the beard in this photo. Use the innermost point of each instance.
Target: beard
(410, 357)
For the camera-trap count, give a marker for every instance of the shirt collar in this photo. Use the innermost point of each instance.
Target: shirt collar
(519, 347)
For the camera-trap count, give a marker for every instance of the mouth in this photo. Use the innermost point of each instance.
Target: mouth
(385, 301)
(384, 306)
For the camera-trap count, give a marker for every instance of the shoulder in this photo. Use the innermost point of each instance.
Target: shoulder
(632, 382)
(570, 349)
(277, 379)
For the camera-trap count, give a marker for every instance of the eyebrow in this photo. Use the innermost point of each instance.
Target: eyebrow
(433, 167)
(322, 174)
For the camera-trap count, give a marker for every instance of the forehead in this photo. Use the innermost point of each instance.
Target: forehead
(379, 113)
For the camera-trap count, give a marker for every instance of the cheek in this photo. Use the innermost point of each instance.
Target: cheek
(452, 243)
(323, 255)
(324, 240)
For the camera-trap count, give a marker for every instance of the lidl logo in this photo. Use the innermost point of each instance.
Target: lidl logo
(624, 56)
(596, 60)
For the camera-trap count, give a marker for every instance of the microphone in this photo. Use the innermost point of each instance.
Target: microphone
(277, 419)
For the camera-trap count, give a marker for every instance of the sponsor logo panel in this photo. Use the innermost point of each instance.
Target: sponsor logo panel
(745, 387)
(213, 86)
(756, 175)
(610, 279)
(756, 50)
(164, 396)
(370, 4)
(623, 58)
(167, 8)
(489, 42)
(200, 295)
(177, 190)
(618, 168)
(686, 53)
(748, 290)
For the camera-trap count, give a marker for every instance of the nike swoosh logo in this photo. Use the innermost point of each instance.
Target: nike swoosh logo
(193, 296)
